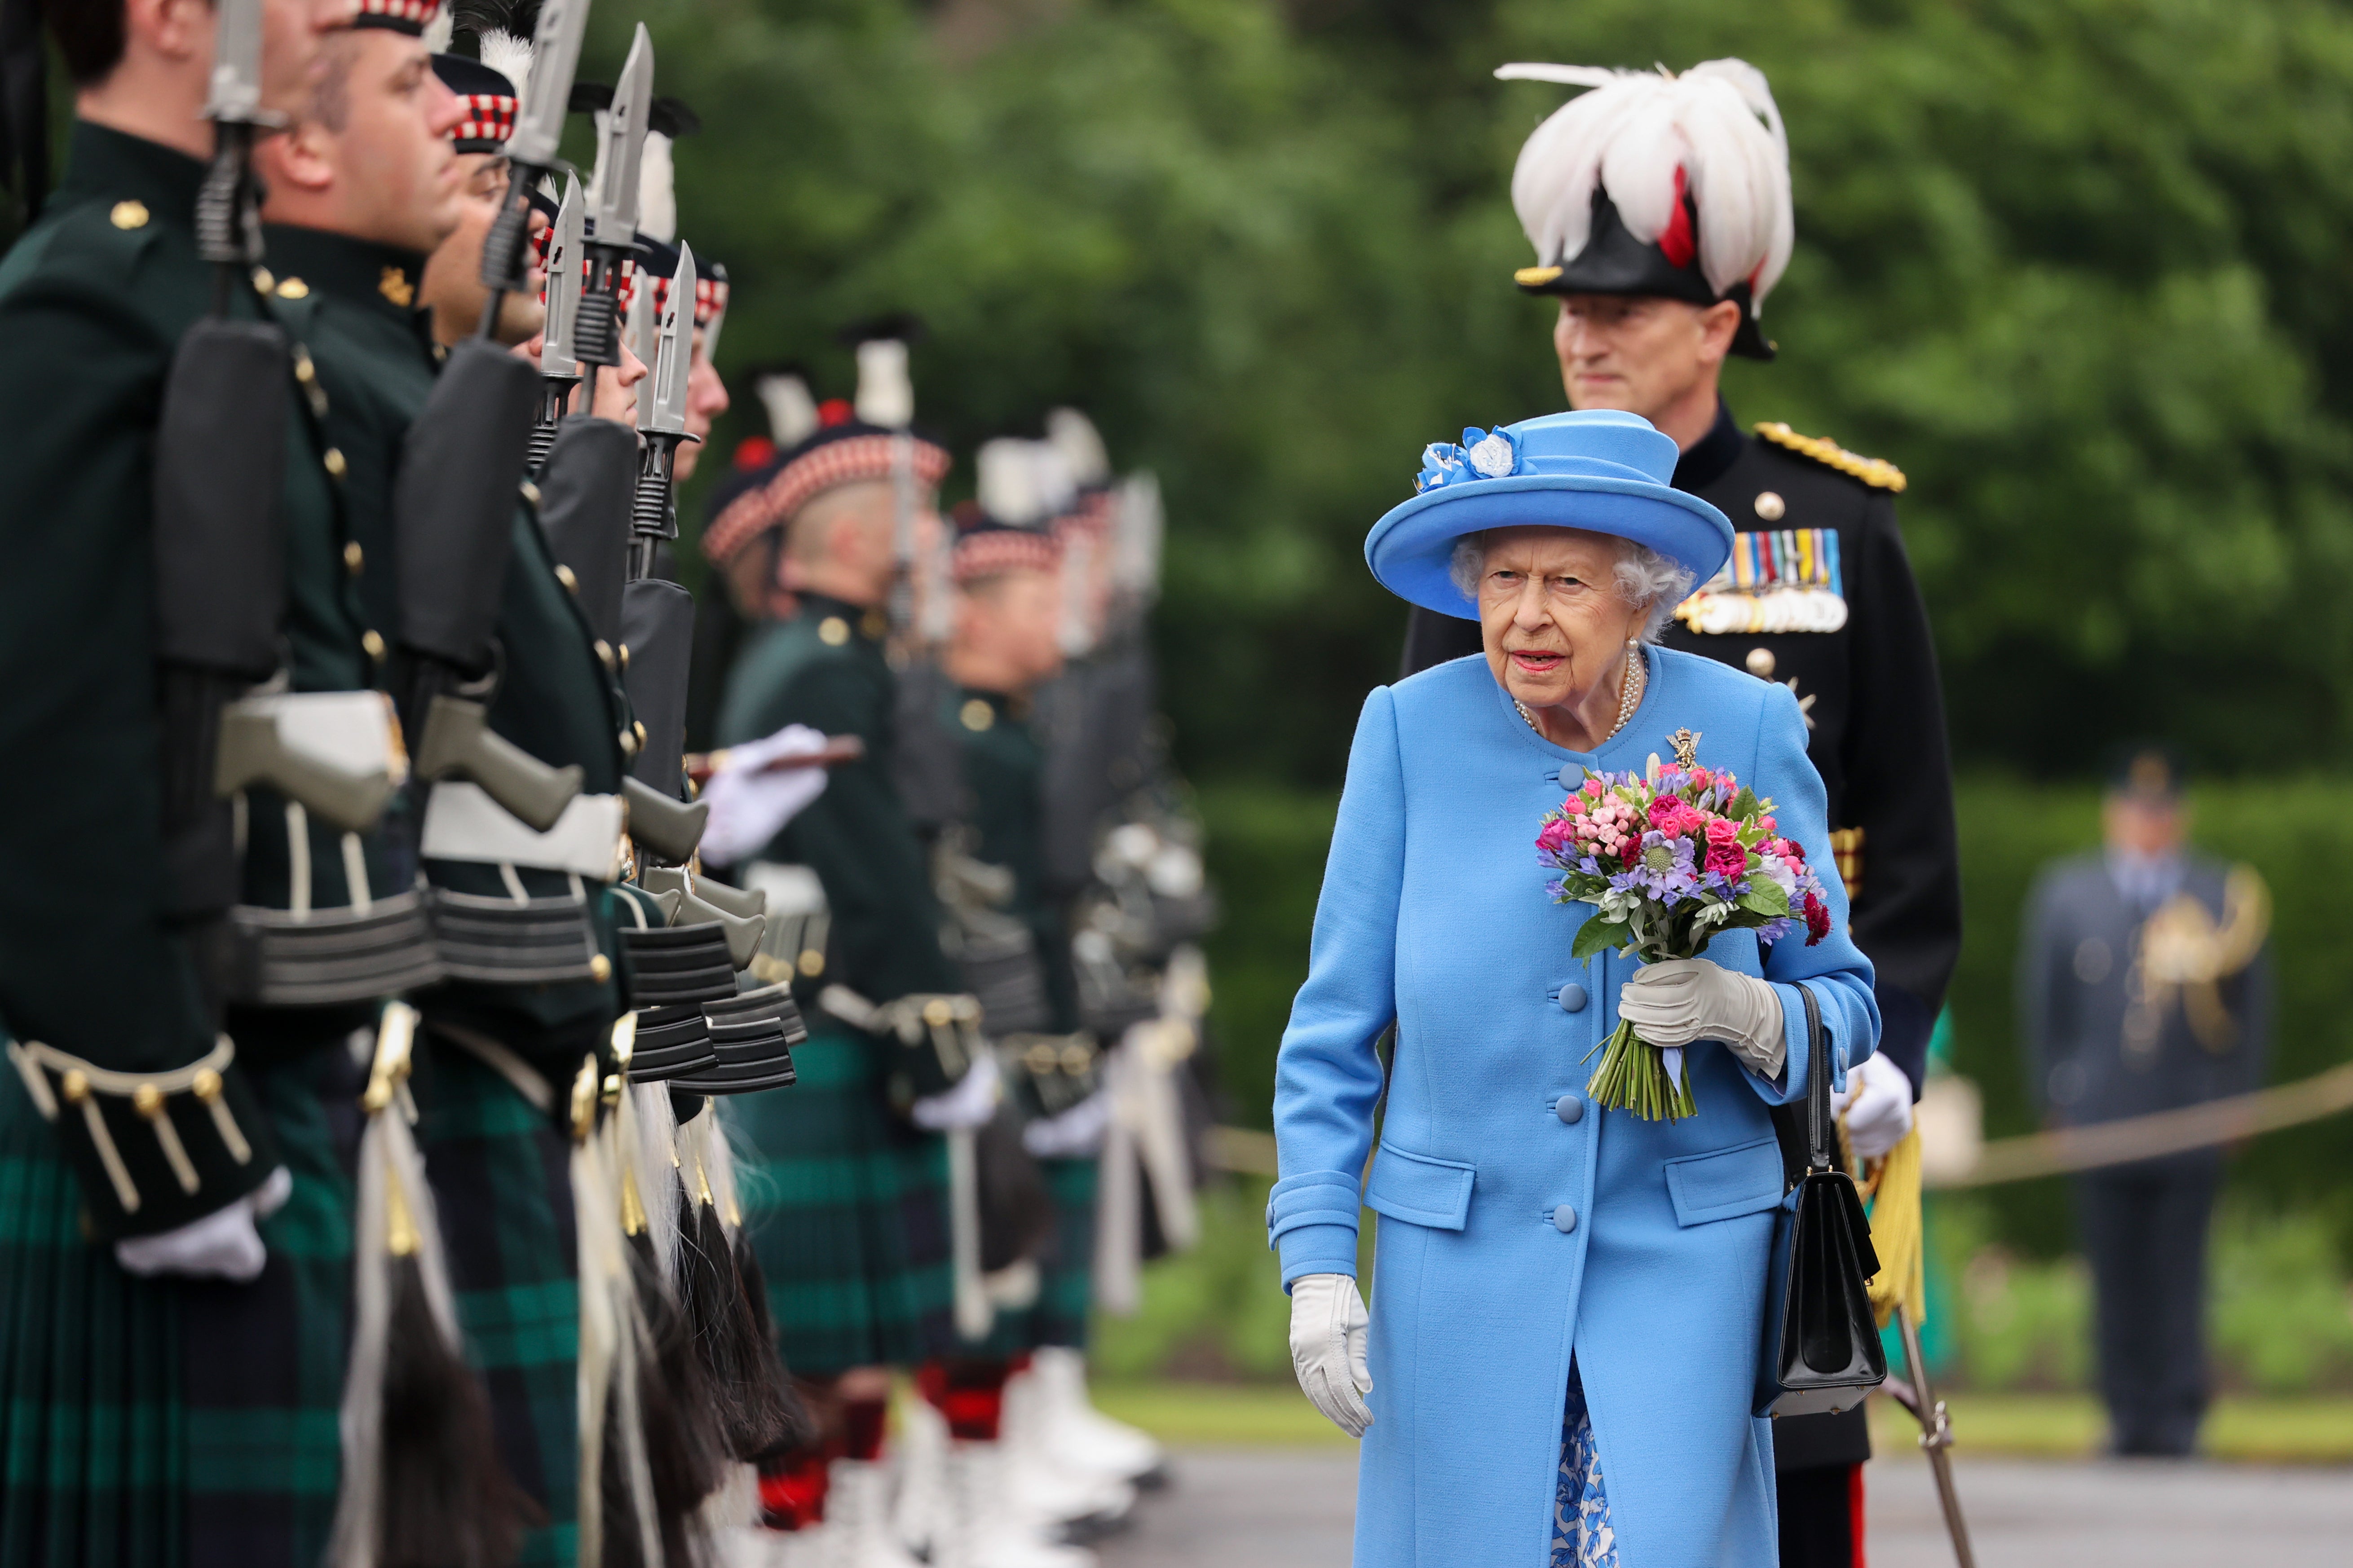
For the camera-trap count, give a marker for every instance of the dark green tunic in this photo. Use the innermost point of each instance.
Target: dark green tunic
(498, 1166)
(844, 1202)
(1004, 788)
(117, 1444)
(1004, 775)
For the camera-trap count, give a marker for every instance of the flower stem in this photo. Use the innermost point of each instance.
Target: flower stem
(1633, 1076)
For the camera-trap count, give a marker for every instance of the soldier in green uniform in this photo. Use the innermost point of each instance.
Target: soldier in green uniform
(174, 1192)
(1661, 270)
(845, 1207)
(364, 187)
(1122, 856)
(1009, 1501)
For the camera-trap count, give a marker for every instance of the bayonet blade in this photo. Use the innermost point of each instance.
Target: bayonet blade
(673, 353)
(547, 96)
(623, 143)
(564, 263)
(640, 333)
(235, 97)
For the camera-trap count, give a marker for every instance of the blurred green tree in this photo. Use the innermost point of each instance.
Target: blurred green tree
(2075, 265)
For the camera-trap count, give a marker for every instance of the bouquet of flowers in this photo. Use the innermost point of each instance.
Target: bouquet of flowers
(1667, 861)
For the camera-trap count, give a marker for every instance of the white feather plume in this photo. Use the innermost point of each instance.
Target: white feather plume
(1074, 435)
(440, 32)
(1717, 122)
(1008, 486)
(508, 55)
(657, 189)
(886, 394)
(792, 412)
(1056, 480)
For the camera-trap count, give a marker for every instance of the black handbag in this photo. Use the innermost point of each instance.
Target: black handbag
(1821, 1352)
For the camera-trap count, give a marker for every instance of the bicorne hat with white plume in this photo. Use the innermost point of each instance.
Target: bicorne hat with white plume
(1659, 183)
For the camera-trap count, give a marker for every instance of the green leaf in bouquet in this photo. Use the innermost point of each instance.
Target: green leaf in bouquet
(1765, 897)
(1744, 805)
(1594, 936)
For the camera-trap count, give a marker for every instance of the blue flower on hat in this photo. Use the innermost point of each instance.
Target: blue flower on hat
(1481, 455)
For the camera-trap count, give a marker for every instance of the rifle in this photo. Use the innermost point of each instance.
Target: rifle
(220, 549)
(612, 243)
(453, 522)
(559, 368)
(531, 149)
(658, 616)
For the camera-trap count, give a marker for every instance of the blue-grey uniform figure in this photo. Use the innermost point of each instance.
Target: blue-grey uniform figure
(2119, 1020)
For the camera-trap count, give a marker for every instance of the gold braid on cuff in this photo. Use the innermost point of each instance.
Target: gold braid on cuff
(80, 1083)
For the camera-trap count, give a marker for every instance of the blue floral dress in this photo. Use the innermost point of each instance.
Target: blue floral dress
(1582, 1536)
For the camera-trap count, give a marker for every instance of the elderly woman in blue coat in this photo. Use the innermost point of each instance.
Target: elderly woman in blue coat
(1567, 1309)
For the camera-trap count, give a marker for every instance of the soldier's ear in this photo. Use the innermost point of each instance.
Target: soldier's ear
(1719, 325)
(175, 29)
(297, 166)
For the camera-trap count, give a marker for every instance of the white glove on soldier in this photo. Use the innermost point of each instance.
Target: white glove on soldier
(1877, 1105)
(1076, 1134)
(749, 807)
(1678, 1000)
(223, 1244)
(1328, 1327)
(968, 1105)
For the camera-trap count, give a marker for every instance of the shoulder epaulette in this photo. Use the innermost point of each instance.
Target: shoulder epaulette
(1877, 472)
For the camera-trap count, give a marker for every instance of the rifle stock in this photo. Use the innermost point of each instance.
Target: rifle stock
(669, 827)
(457, 741)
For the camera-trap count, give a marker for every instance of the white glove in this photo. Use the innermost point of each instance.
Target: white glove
(749, 804)
(1328, 1327)
(223, 1244)
(1076, 1133)
(1877, 1105)
(1678, 1000)
(968, 1105)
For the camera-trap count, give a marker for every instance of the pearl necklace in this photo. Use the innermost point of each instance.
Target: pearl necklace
(1630, 693)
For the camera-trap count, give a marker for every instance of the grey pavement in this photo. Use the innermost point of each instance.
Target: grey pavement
(1237, 1507)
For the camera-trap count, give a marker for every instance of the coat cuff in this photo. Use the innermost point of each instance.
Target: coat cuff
(1311, 1221)
(152, 1150)
(1797, 1055)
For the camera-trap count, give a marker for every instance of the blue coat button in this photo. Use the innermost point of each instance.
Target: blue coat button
(1569, 1108)
(1564, 1219)
(1572, 998)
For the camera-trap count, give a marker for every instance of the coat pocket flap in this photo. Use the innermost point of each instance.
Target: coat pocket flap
(1744, 1179)
(1420, 1190)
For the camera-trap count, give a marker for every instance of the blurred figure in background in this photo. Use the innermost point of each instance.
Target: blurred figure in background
(2145, 985)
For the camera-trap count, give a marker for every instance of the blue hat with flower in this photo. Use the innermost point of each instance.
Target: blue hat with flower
(1597, 470)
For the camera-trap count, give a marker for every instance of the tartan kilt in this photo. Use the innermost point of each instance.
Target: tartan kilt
(1064, 1295)
(1065, 1281)
(501, 1174)
(175, 1422)
(847, 1210)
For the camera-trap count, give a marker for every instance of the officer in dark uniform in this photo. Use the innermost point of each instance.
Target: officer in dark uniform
(1818, 594)
(2144, 986)
(503, 1037)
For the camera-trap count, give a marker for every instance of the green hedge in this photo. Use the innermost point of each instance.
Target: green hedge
(1267, 846)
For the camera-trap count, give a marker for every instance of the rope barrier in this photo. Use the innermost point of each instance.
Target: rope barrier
(2240, 1116)
(1247, 1152)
